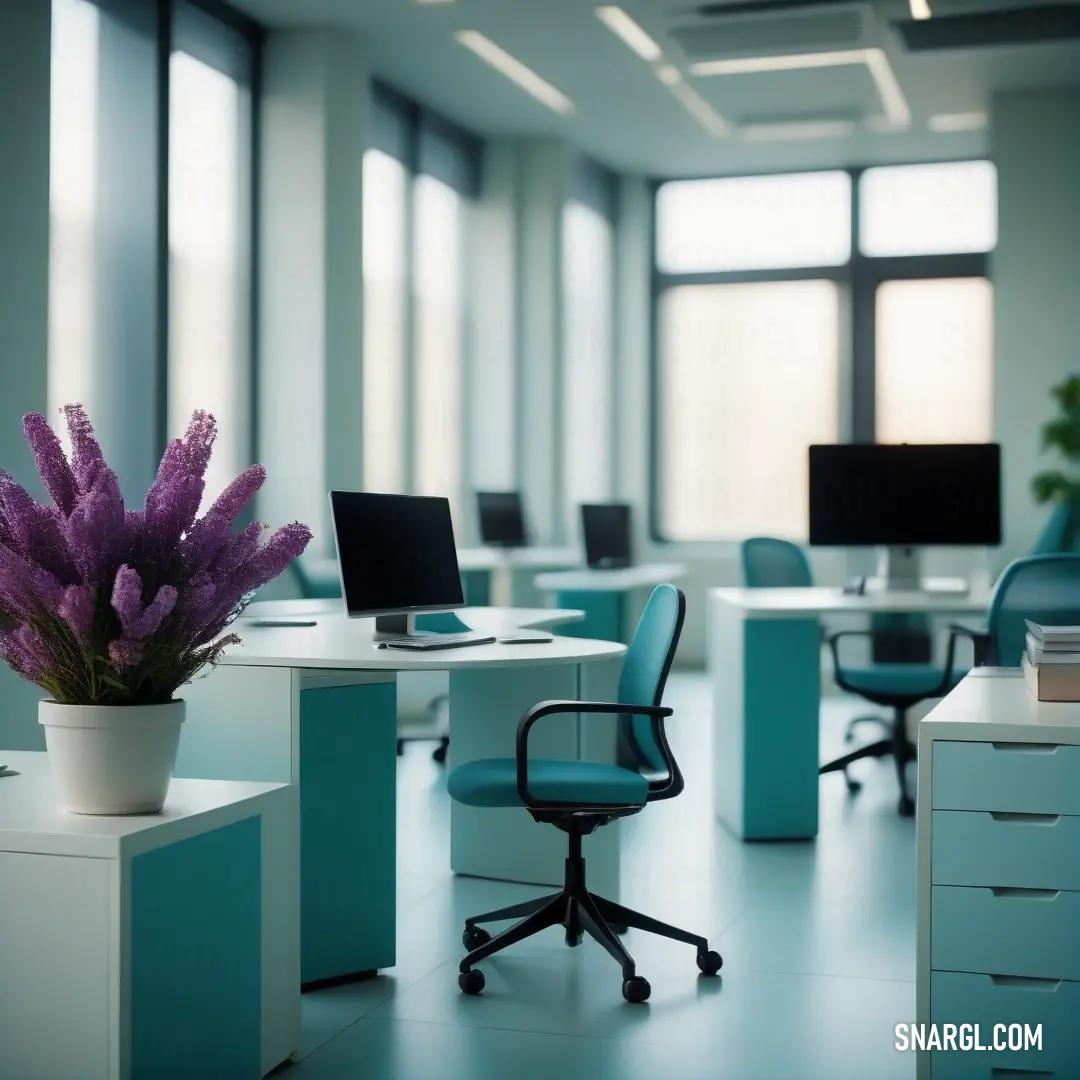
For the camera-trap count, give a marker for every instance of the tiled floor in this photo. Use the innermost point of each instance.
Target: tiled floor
(818, 942)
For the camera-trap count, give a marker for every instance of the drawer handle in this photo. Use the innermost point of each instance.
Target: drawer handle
(1024, 982)
(1006, 892)
(1020, 1074)
(1025, 748)
(1028, 819)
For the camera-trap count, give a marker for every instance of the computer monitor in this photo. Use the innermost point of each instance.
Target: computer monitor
(397, 557)
(606, 527)
(502, 521)
(904, 497)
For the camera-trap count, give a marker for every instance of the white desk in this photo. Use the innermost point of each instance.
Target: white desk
(764, 659)
(504, 576)
(611, 599)
(998, 874)
(316, 706)
(160, 945)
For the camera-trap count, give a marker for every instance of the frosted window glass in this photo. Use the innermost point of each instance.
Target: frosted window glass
(748, 381)
(754, 223)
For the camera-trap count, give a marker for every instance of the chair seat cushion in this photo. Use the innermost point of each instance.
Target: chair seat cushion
(907, 680)
(493, 782)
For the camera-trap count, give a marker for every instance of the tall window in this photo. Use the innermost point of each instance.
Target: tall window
(587, 239)
(209, 239)
(439, 340)
(781, 325)
(73, 202)
(749, 369)
(420, 174)
(385, 245)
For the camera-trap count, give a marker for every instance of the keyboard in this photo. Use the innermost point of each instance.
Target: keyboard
(436, 641)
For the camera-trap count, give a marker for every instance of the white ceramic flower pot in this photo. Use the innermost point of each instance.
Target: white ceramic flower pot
(111, 759)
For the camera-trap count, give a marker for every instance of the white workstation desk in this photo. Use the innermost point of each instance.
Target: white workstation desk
(316, 706)
(764, 658)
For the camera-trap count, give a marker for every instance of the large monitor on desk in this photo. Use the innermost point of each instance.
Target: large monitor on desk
(502, 519)
(397, 557)
(903, 497)
(606, 529)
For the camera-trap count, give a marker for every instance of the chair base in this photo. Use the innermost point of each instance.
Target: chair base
(579, 912)
(897, 746)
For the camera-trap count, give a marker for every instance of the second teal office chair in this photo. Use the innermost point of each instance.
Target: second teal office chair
(579, 797)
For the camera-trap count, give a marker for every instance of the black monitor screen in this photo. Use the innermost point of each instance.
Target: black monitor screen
(607, 534)
(502, 523)
(905, 496)
(396, 552)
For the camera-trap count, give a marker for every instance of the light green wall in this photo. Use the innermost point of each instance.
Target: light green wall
(1035, 140)
(24, 280)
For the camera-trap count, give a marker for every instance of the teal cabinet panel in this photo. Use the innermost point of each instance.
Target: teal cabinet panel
(962, 999)
(348, 813)
(605, 615)
(1034, 933)
(1026, 851)
(1011, 777)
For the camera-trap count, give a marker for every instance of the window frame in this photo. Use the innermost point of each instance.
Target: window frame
(858, 280)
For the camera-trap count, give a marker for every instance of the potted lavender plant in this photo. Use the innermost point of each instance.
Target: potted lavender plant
(111, 611)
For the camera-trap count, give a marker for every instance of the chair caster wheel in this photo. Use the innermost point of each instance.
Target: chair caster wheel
(473, 937)
(400, 747)
(619, 928)
(471, 982)
(709, 963)
(636, 990)
(907, 806)
(854, 786)
(438, 755)
(573, 938)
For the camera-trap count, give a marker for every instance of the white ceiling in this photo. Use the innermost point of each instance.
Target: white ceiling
(627, 119)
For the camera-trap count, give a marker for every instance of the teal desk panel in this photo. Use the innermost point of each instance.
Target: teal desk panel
(196, 957)
(605, 614)
(780, 728)
(476, 585)
(348, 832)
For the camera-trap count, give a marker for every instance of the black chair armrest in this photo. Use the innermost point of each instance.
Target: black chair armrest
(981, 640)
(838, 670)
(551, 708)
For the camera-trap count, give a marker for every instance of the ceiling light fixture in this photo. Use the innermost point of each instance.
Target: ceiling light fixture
(920, 9)
(951, 122)
(701, 110)
(875, 61)
(516, 71)
(616, 20)
(799, 129)
(668, 74)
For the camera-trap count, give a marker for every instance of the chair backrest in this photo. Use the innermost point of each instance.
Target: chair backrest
(1043, 588)
(768, 563)
(1060, 534)
(648, 661)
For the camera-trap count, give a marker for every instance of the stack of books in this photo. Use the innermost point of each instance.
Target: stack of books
(1052, 662)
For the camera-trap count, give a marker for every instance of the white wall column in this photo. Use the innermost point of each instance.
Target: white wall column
(1035, 140)
(24, 282)
(310, 405)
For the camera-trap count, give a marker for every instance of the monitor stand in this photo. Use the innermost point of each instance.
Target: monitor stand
(398, 626)
(899, 569)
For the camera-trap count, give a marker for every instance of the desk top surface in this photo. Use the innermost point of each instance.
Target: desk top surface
(995, 705)
(491, 558)
(631, 577)
(337, 642)
(30, 820)
(820, 600)
(492, 620)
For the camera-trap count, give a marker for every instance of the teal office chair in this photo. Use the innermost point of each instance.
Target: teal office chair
(1060, 534)
(1042, 588)
(579, 797)
(769, 563)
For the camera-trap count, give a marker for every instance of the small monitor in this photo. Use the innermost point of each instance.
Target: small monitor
(502, 521)
(905, 496)
(396, 553)
(606, 527)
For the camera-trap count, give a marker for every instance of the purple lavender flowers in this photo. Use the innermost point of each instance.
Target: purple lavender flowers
(100, 605)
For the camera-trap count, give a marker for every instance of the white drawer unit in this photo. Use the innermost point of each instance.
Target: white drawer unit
(998, 876)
